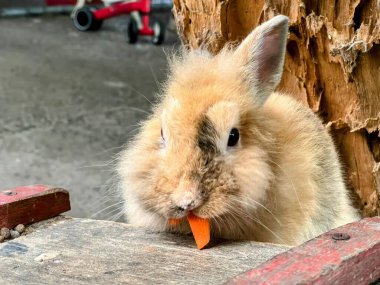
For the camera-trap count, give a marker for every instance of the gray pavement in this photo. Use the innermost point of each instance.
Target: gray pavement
(69, 101)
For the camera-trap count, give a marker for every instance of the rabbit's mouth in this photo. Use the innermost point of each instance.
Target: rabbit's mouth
(179, 212)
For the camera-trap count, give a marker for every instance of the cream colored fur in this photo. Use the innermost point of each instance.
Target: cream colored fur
(281, 183)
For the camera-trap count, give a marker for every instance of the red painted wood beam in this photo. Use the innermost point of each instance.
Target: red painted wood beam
(347, 255)
(29, 204)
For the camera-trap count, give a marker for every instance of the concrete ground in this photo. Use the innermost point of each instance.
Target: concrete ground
(68, 102)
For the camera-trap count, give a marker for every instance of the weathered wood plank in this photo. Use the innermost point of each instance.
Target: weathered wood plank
(346, 255)
(79, 251)
(28, 204)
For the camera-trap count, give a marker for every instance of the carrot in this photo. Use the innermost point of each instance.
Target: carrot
(174, 222)
(200, 228)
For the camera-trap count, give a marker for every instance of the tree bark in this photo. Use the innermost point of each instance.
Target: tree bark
(332, 65)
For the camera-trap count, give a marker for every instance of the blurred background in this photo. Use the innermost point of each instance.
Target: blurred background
(69, 100)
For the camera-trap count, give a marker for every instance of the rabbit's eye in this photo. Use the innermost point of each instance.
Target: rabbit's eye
(234, 137)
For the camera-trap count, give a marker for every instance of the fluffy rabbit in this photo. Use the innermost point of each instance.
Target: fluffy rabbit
(257, 164)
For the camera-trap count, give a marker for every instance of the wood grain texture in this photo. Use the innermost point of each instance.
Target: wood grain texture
(28, 204)
(326, 259)
(332, 65)
(79, 251)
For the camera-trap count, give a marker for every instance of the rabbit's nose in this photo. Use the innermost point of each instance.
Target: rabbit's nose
(187, 206)
(187, 201)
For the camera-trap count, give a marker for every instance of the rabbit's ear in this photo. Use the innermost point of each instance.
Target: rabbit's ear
(262, 54)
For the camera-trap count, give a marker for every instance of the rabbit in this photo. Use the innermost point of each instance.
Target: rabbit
(224, 145)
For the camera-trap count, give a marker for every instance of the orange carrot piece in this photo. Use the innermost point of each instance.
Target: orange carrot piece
(174, 222)
(201, 230)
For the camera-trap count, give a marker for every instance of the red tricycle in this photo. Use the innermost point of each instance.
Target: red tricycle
(90, 18)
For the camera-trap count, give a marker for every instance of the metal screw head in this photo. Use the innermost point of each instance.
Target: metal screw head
(9, 193)
(340, 236)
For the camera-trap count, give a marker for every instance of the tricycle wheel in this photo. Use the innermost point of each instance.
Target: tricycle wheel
(159, 33)
(84, 20)
(133, 31)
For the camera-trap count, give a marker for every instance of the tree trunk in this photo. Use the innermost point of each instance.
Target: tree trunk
(332, 65)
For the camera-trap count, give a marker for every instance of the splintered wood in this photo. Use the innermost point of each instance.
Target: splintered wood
(332, 65)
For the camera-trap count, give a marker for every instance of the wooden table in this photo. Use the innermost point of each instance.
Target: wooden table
(81, 251)
(64, 250)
